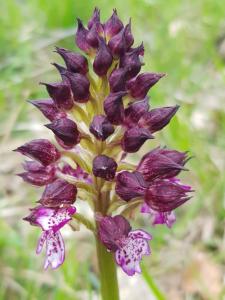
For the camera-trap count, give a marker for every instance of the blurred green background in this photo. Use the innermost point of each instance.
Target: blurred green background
(185, 39)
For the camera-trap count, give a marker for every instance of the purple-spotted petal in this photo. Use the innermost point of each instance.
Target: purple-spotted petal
(55, 249)
(128, 257)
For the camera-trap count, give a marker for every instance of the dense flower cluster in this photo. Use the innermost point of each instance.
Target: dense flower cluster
(99, 113)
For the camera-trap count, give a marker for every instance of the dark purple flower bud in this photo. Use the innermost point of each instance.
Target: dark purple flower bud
(79, 85)
(93, 37)
(41, 150)
(112, 229)
(103, 59)
(59, 193)
(37, 178)
(141, 85)
(60, 92)
(62, 70)
(114, 109)
(101, 128)
(176, 156)
(165, 195)
(117, 80)
(75, 62)
(95, 18)
(135, 111)
(158, 118)
(104, 167)
(156, 164)
(48, 108)
(130, 185)
(113, 25)
(132, 61)
(66, 131)
(117, 44)
(37, 174)
(134, 138)
(81, 37)
(128, 35)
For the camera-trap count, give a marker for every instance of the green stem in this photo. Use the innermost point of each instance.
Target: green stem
(108, 274)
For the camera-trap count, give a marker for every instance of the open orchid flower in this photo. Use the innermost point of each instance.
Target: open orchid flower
(99, 114)
(129, 245)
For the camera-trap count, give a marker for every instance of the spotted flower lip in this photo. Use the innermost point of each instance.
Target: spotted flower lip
(134, 138)
(113, 25)
(159, 218)
(158, 118)
(113, 107)
(103, 59)
(61, 94)
(51, 221)
(130, 185)
(58, 193)
(165, 195)
(101, 128)
(129, 245)
(40, 150)
(104, 167)
(161, 163)
(140, 86)
(48, 108)
(66, 131)
(75, 62)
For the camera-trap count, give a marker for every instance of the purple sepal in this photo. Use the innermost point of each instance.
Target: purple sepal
(41, 150)
(167, 218)
(65, 130)
(134, 138)
(81, 37)
(158, 118)
(79, 85)
(59, 193)
(135, 111)
(117, 44)
(166, 195)
(130, 185)
(129, 246)
(132, 62)
(75, 62)
(103, 59)
(37, 174)
(95, 18)
(48, 108)
(117, 80)
(128, 35)
(140, 86)
(101, 128)
(113, 25)
(114, 109)
(104, 167)
(163, 163)
(61, 94)
(93, 37)
(112, 229)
